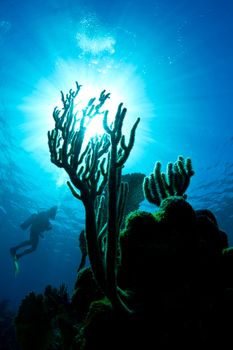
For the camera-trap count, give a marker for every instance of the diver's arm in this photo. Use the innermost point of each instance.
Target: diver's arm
(28, 222)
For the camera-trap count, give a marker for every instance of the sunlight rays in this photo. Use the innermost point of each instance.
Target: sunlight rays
(120, 80)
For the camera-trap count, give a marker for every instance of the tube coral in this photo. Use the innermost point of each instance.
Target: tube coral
(158, 185)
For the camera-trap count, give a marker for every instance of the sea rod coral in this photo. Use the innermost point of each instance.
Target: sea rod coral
(94, 168)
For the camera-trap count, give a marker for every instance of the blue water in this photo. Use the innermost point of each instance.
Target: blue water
(168, 61)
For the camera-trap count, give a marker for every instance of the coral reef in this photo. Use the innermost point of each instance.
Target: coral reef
(156, 280)
(44, 320)
(175, 275)
(85, 292)
(177, 287)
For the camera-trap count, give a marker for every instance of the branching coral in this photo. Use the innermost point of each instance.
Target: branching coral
(85, 165)
(93, 169)
(158, 185)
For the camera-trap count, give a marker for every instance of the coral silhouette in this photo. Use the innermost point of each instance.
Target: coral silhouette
(94, 169)
(42, 321)
(132, 202)
(158, 185)
(156, 280)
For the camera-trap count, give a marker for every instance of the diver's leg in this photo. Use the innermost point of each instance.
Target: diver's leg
(13, 250)
(33, 243)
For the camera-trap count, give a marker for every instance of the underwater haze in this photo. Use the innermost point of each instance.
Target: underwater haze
(168, 61)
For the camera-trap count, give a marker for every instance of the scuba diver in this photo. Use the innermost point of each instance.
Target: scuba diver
(38, 224)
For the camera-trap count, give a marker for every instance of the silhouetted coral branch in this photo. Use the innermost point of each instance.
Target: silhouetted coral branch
(86, 165)
(119, 153)
(90, 168)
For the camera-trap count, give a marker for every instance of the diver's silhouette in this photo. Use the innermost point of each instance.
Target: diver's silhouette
(38, 223)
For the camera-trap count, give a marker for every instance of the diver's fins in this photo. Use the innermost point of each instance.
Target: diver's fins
(16, 265)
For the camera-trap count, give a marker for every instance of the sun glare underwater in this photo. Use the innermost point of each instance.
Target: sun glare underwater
(46, 97)
(168, 63)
